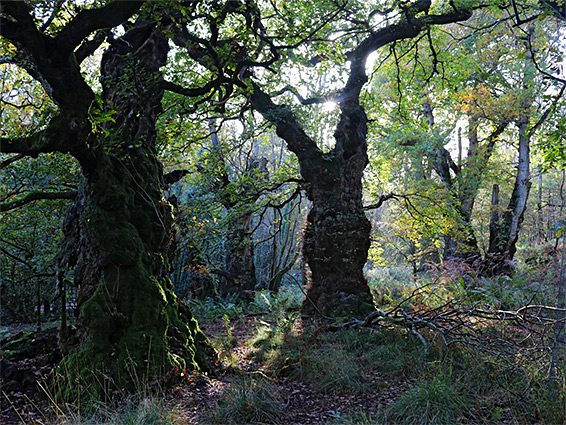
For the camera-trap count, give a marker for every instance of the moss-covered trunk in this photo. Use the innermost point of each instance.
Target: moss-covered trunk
(119, 234)
(462, 245)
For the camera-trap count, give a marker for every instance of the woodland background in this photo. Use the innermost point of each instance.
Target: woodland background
(360, 203)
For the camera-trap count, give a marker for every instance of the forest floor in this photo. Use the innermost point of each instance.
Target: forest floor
(303, 401)
(276, 367)
(24, 402)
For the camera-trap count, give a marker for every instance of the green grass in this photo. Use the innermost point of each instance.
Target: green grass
(389, 352)
(435, 401)
(331, 370)
(274, 343)
(248, 401)
(148, 410)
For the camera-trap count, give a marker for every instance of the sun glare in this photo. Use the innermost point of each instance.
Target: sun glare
(329, 106)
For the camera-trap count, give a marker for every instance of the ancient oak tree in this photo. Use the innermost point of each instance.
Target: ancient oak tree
(337, 236)
(118, 235)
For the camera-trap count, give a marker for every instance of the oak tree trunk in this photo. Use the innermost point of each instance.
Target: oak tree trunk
(239, 261)
(337, 240)
(118, 236)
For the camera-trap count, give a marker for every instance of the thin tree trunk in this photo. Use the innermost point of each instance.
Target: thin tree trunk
(503, 237)
(541, 228)
(520, 191)
(559, 347)
(38, 304)
(494, 218)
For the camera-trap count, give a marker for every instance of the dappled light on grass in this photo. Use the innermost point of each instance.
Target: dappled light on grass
(276, 362)
(431, 402)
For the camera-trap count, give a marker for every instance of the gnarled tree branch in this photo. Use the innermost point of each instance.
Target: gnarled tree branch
(10, 160)
(89, 20)
(36, 196)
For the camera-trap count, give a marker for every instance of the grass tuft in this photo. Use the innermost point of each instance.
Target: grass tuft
(148, 410)
(331, 370)
(435, 401)
(249, 401)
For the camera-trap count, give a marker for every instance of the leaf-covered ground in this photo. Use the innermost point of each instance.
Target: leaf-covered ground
(281, 368)
(303, 402)
(196, 396)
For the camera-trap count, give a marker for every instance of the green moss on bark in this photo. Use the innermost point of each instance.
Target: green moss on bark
(133, 338)
(130, 327)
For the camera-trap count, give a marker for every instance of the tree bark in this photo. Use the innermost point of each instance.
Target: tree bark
(504, 235)
(337, 240)
(239, 260)
(118, 236)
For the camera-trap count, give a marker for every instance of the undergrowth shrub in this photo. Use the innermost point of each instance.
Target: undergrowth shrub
(511, 293)
(213, 308)
(388, 285)
(288, 298)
